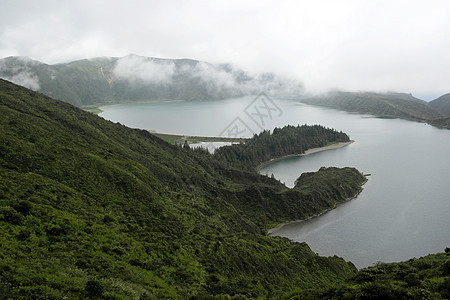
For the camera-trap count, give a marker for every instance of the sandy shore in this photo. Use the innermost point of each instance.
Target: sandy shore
(307, 152)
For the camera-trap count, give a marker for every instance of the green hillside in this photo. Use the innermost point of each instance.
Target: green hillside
(89, 208)
(423, 278)
(394, 105)
(133, 78)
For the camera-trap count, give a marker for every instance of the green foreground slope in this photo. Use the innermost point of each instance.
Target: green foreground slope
(89, 208)
(424, 278)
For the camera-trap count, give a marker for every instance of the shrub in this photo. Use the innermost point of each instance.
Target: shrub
(10, 215)
(94, 288)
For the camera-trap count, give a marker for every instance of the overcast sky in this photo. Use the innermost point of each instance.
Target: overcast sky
(392, 45)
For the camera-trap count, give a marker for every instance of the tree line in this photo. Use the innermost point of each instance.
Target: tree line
(280, 142)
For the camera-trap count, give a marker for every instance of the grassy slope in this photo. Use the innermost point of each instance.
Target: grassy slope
(91, 208)
(387, 105)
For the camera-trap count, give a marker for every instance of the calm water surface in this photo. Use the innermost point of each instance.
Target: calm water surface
(404, 209)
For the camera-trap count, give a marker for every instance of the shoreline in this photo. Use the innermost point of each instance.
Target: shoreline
(307, 152)
(96, 108)
(280, 226)
(178, 138)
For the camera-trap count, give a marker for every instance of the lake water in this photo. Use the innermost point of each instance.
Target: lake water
(403, 211)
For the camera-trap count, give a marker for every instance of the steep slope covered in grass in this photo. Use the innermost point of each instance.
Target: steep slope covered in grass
(89, 208)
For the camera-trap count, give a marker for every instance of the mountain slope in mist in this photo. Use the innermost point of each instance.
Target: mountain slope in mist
(136, 78)
(442, 104)
(396, 105)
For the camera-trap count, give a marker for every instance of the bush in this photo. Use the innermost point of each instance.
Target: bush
(412, 279)
(94, 288)
(445, 267)
(444, 289)
(10, 215)
(378, 290)
(22, 206)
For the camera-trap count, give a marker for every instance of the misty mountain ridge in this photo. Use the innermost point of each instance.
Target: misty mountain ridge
(391, 104)
(442, 103)
(131, 78)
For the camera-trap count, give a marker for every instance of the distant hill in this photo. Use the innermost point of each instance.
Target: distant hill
(442, 104)
(396, 105)
(135, 78)
(404, 96)
(93, 209)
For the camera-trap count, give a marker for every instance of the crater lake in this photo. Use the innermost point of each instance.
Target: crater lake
(403, 211)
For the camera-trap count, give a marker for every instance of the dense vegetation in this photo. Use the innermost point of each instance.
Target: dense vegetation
(386, 105)
(281, 142)
(314, 193)
(105, 80)
(424, 278)
(89, 208)
(93, 209)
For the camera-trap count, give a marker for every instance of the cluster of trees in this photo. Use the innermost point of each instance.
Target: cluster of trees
(278, 143)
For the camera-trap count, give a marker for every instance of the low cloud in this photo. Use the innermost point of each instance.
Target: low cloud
(136, 68)
(26, 79)
(217, 78)
(222, 77)
(351, 45)
(18, 71)
(213, 74)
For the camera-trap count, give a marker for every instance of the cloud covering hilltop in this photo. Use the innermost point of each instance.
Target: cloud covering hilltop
(349, 45)
(137, 78)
